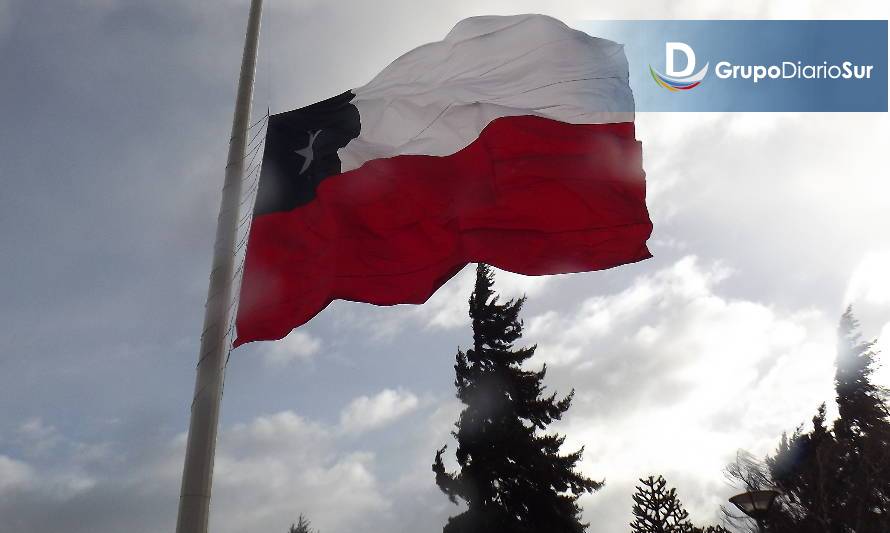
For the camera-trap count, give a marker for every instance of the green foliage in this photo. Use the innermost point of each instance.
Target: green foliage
(512, 478)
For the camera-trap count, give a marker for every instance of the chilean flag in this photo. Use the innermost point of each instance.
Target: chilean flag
(509, 142)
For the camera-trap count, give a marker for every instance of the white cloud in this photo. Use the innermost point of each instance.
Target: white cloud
(297, 346)
(267, 471)
(37, 436)
(781, 196)
(57, 484)
(366, 413)
(869, 283)
(270, 470)
(447, 309)
(567, 335)
(14, 474)
(672, 376)
(868, 291)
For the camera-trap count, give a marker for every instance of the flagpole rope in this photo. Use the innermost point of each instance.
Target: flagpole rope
(261, 119)
(253, 178)
(249, 154)
(254, 181)
(250, 178)
(253, 166)
(247, 216)
(260, 130)
(250, 171)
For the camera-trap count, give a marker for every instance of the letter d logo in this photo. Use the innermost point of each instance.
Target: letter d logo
(678, 80)
(670, 50)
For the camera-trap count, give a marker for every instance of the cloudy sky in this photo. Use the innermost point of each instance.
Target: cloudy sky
(115, 118)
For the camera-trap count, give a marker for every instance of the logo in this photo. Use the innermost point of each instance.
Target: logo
(681, 80)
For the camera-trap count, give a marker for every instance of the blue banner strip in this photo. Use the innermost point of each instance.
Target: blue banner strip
(753, 65)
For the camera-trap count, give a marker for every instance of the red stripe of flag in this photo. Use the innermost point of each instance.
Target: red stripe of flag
(531, 195)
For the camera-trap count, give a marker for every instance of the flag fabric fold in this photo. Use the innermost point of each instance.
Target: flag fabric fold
(510, 142)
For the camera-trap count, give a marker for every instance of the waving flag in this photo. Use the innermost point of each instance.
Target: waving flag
(509, 142)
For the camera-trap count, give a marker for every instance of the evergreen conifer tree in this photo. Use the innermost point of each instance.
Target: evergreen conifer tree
(302, 526)
(658, 510)
(512, 478)
(806, 470)
(862, 432)
(860, 402)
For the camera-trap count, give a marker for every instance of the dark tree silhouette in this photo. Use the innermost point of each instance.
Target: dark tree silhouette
(861, 403)
(806, 469)
(658, 510)
(834, 479)
(302, 526)
(512, 478)
(862, 432)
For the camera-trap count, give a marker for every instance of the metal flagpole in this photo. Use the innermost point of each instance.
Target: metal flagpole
(197, 472)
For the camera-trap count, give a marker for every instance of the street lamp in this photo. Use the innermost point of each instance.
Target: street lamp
(756, 504)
